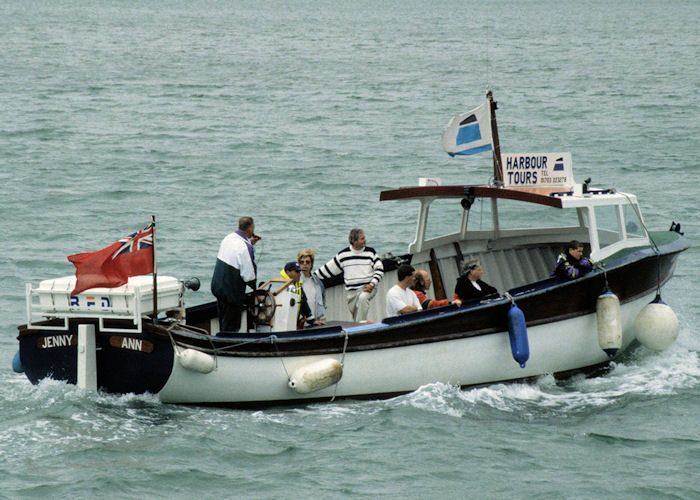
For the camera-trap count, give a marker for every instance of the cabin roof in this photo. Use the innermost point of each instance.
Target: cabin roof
(529, 195)
(557, 197)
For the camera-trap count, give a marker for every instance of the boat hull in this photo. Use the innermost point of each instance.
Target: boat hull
(126, 363)
(562, 346)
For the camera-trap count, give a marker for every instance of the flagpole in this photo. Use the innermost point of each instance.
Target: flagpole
(155, 273)
(497, 164)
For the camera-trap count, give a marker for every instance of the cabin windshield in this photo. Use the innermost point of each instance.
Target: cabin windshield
(616, 226)
(511, 215)
(608, 221)
(633, 225)
(519, 215)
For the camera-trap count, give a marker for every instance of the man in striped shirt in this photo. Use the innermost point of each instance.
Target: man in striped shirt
(362, 271)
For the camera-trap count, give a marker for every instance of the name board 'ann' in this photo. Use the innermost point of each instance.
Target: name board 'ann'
(130, 343)
(57, 341)
(537, 170)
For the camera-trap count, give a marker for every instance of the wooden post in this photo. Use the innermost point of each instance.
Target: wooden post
(497, 164)
(438, 287)
(87, 358)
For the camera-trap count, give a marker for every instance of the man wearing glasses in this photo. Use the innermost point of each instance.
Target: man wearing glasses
(312, 284)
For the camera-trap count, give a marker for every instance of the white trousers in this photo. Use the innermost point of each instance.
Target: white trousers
(358, 303)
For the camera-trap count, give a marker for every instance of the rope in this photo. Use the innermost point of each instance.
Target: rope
(342, 363)
(238, 344)
(176, 345)
(279, 354)
(653, 243)
(481, 213)
(601, 266)
(272, 338)
(172, 340)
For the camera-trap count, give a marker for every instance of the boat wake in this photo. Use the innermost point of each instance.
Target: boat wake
(639, 375)
(634, 379)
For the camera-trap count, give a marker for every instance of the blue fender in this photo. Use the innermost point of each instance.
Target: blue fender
(517, 331)
(17, 364)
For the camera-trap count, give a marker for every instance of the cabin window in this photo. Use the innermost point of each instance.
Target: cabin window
(633, 225)
(480, 215)
(519, 215)
(444, 217)
(608, 222)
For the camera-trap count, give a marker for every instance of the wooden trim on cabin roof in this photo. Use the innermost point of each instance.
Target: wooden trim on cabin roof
(540, 196)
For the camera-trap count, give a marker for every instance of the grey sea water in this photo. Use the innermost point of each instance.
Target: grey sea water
(300, 114)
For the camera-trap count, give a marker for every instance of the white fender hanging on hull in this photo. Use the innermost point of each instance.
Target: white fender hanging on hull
(197, 361)
(656, 325)
(609, 326)
(316, 376)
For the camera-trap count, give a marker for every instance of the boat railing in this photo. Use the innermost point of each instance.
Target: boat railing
(134, 313)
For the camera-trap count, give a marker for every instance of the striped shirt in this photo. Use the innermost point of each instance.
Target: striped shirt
(359, 267)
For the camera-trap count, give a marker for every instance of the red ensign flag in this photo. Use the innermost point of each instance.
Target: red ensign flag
(112, 266)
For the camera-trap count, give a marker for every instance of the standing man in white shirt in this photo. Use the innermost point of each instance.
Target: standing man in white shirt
(235, 269)
(400, 299)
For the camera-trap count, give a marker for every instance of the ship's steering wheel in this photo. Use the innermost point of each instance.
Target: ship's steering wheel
(263, 306)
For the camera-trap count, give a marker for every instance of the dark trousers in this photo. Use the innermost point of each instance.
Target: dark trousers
(229, 318)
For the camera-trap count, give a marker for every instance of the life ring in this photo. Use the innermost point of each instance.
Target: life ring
(263, 307)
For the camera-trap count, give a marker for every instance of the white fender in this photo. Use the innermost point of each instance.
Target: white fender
(195, 360)
(609, 326)
(316, 376)
(656, 326)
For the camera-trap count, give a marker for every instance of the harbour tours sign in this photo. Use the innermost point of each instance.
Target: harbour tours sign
(537, 170)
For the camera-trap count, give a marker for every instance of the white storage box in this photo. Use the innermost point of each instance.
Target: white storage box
(55, 297)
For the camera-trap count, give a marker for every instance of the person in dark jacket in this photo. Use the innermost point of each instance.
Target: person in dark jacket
(571, 264)
(235, 269)
(469, 285)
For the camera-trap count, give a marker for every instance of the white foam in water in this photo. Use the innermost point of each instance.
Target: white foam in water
(657, 374)
(435, 397)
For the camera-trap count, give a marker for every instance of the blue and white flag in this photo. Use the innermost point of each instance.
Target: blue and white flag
(469, 133)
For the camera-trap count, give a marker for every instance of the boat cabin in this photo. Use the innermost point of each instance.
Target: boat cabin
(515, 233)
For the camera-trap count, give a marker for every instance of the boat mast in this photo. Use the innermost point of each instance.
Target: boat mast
(155, 273)
(497, 165)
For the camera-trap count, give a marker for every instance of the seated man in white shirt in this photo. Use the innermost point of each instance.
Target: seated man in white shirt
(400, 299)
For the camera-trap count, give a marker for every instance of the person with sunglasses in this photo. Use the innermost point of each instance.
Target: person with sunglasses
(305, 316)
(312, 284)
